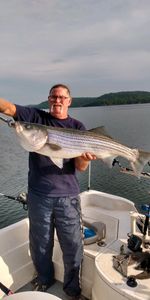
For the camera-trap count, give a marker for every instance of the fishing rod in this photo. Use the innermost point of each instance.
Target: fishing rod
(5, 290)
(89, 176)
(146, 209)
(21, 198)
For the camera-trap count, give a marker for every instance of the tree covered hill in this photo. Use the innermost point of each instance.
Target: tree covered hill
(122, 98)
(118, 98)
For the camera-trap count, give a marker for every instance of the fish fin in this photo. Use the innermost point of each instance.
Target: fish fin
(140, 162)
(108, 160)
(101, 131)
(54, 147)
(57, 161)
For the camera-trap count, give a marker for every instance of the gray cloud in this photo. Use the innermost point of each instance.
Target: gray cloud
(94, 46)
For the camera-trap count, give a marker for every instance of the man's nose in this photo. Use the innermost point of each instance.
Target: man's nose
(57, 99)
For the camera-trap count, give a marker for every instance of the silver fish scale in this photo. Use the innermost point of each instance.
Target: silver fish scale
(88, 142)
(59, 143)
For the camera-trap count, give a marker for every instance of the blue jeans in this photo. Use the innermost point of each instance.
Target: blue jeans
(64, 214)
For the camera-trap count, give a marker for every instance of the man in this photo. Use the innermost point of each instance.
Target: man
(53, 199)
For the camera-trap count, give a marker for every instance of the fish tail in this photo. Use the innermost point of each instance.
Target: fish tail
(140, 162)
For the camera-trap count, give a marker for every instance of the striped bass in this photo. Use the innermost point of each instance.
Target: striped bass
(60, 143)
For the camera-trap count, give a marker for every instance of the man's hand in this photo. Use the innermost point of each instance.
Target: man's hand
(82, 162)
(87, 156)
(7, 108)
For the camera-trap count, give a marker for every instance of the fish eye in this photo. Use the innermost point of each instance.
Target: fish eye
(27, 126)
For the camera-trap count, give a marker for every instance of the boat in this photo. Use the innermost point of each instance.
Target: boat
(106, 273)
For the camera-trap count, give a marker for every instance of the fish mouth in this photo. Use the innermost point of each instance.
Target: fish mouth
(18, 127)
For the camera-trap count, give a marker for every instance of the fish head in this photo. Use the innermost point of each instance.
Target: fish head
(32, 137)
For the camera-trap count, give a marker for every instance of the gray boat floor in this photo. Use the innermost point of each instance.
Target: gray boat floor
(56, 289)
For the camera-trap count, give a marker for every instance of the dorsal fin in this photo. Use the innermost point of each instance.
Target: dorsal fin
(101, 131)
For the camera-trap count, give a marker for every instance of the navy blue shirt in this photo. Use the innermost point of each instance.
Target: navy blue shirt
(44, 176)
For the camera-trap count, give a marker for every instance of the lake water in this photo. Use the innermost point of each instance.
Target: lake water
(129, 124)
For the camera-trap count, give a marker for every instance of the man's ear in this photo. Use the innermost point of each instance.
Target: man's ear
(70, 101)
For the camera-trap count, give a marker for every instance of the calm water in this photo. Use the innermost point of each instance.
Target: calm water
(129, 124)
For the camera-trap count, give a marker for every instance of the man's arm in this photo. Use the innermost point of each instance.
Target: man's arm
(7, 107)
(82, 162)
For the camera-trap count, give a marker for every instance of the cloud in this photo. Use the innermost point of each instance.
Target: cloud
(94, 46)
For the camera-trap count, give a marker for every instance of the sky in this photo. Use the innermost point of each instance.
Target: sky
(93, 46)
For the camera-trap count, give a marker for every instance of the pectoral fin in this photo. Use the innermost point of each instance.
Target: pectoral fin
(57, 161)
(107, 158)
(54, 147)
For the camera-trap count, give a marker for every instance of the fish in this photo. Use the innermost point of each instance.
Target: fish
(65, 143)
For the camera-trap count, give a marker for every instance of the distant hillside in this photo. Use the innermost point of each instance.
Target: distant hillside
(118, 98)
(122, 98)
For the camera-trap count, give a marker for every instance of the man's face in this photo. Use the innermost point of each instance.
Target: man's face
(59, 101)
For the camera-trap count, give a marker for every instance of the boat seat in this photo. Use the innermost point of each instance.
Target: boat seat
(94, 215)
(99, 229)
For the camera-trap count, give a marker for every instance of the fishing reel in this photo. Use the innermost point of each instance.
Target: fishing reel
(134, 243)
(22, 198)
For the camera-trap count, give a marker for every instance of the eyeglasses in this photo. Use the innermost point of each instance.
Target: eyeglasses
(54, 98)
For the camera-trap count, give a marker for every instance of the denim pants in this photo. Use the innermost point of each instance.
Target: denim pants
(64, 214)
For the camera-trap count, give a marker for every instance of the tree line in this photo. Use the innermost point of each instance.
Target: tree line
(118, 98)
